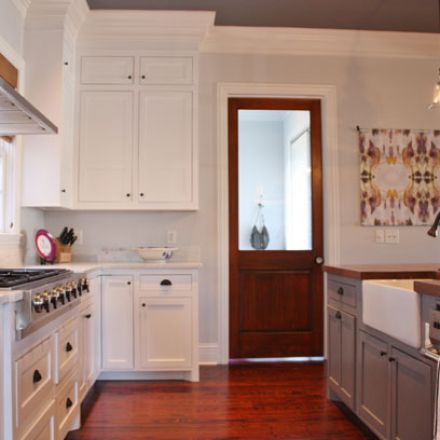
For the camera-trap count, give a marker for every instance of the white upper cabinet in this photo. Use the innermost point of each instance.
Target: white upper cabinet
(166, 70)
(165, 147)
(107, 70)
(105, 146)
(137, 135)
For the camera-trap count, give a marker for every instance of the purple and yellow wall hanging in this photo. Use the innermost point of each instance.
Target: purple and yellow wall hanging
(400, 172)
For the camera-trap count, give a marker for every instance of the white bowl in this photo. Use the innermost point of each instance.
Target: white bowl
(155, 253)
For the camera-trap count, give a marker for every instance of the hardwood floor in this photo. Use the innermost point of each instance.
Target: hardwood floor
(240, 401)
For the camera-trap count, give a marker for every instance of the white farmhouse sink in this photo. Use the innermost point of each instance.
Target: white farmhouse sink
(393, 307)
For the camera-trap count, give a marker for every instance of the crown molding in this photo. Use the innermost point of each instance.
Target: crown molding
(147, 29)
(22, 6)
(331, 42)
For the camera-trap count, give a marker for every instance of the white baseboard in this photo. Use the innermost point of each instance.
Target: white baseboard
(209, 353)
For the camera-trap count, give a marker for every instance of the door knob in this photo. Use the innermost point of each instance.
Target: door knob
(319, 260)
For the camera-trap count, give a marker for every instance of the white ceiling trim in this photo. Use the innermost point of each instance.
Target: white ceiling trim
(331, 42)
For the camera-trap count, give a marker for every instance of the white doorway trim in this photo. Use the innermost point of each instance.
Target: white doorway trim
(327, 95)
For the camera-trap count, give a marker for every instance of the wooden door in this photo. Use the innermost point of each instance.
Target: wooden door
(117, 323)
(276, 300)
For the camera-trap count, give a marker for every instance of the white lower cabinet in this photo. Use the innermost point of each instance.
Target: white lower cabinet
(117, 323)
(44, 426)
(164, 333)
(157, 323)
(67, 404)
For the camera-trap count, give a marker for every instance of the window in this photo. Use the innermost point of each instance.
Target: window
(6, 186)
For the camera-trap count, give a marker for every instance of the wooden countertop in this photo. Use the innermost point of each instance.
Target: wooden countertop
(428, 287)
(384, 271)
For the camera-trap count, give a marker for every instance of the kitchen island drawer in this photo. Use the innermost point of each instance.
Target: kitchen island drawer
(174, 284)
(342, 293)
(34, 383)
(67, 406)
(67, 349)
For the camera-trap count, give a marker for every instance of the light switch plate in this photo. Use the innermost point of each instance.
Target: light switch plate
(392, 236)
(379, 236)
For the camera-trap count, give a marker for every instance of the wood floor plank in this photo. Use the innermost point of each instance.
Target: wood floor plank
(282, 401)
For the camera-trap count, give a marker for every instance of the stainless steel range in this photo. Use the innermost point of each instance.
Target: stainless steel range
(47, 293)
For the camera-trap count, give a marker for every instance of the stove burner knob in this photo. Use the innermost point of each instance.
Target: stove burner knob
(74, 291)
(54, 298)
(79, 287)
(61, 295)
(46, 302)
(68, 292)
(85, 284)
(37, 303)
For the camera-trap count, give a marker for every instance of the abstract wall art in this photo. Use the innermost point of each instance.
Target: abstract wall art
(399, 176)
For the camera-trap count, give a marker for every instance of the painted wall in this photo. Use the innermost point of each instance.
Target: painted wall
(370, 92)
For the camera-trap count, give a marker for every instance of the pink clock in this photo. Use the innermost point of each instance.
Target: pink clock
(45, 244)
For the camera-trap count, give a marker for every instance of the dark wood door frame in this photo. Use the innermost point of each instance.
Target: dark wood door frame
(277, 259)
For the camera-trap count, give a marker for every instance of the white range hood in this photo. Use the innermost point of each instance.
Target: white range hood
(19, 116)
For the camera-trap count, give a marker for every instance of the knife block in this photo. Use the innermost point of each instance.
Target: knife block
(63, 252)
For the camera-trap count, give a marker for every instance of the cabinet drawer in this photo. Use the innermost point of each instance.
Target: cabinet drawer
(342, 292)
(34, 383)
(67, 349)
(67, 407)
(166, 284)
(166, 70)
(44, 426)
(107, 70)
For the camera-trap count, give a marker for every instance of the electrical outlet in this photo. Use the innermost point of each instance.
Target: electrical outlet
(172, 236)
(392, 236)
(379, 236)
(79, 234)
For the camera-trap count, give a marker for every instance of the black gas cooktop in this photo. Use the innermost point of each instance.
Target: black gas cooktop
(19, 277)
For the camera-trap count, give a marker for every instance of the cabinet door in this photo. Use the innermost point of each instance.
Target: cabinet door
(411, 398)
(107, 70)
(373, 390)
(106, 144)
(165, 170)
(348, 358)
(88, 348)
(166, 70)
(334, 346)
(117, 322)
(164, 333)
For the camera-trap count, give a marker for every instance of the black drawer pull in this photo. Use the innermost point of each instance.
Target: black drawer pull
(166, 283)
(383, 353)
(340, 291)
(69, 403)
(69, 347)
(37, 377)
(338, 315)
(88, 316)
(391, 359)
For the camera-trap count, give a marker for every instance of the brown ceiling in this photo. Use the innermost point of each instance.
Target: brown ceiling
(392, 15)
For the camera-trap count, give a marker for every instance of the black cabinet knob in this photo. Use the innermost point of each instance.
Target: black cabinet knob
(69, 347)
(63, 190)
(340, 291)
(144, 305)
(142, 194)
(69, 403)
(129, 77)
(128, 194)
(143, 76)
(338, 315)
(36, 377)
(383, 353)
(166, 283)
(88, 316)
(391, 359)
(129, 283)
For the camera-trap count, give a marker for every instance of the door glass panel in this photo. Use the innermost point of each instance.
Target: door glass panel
(274, 169)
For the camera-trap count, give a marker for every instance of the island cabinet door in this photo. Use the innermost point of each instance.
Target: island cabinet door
(348, 359)
(373, 389)
(412, 403)
(117, 323)
(334, 347)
